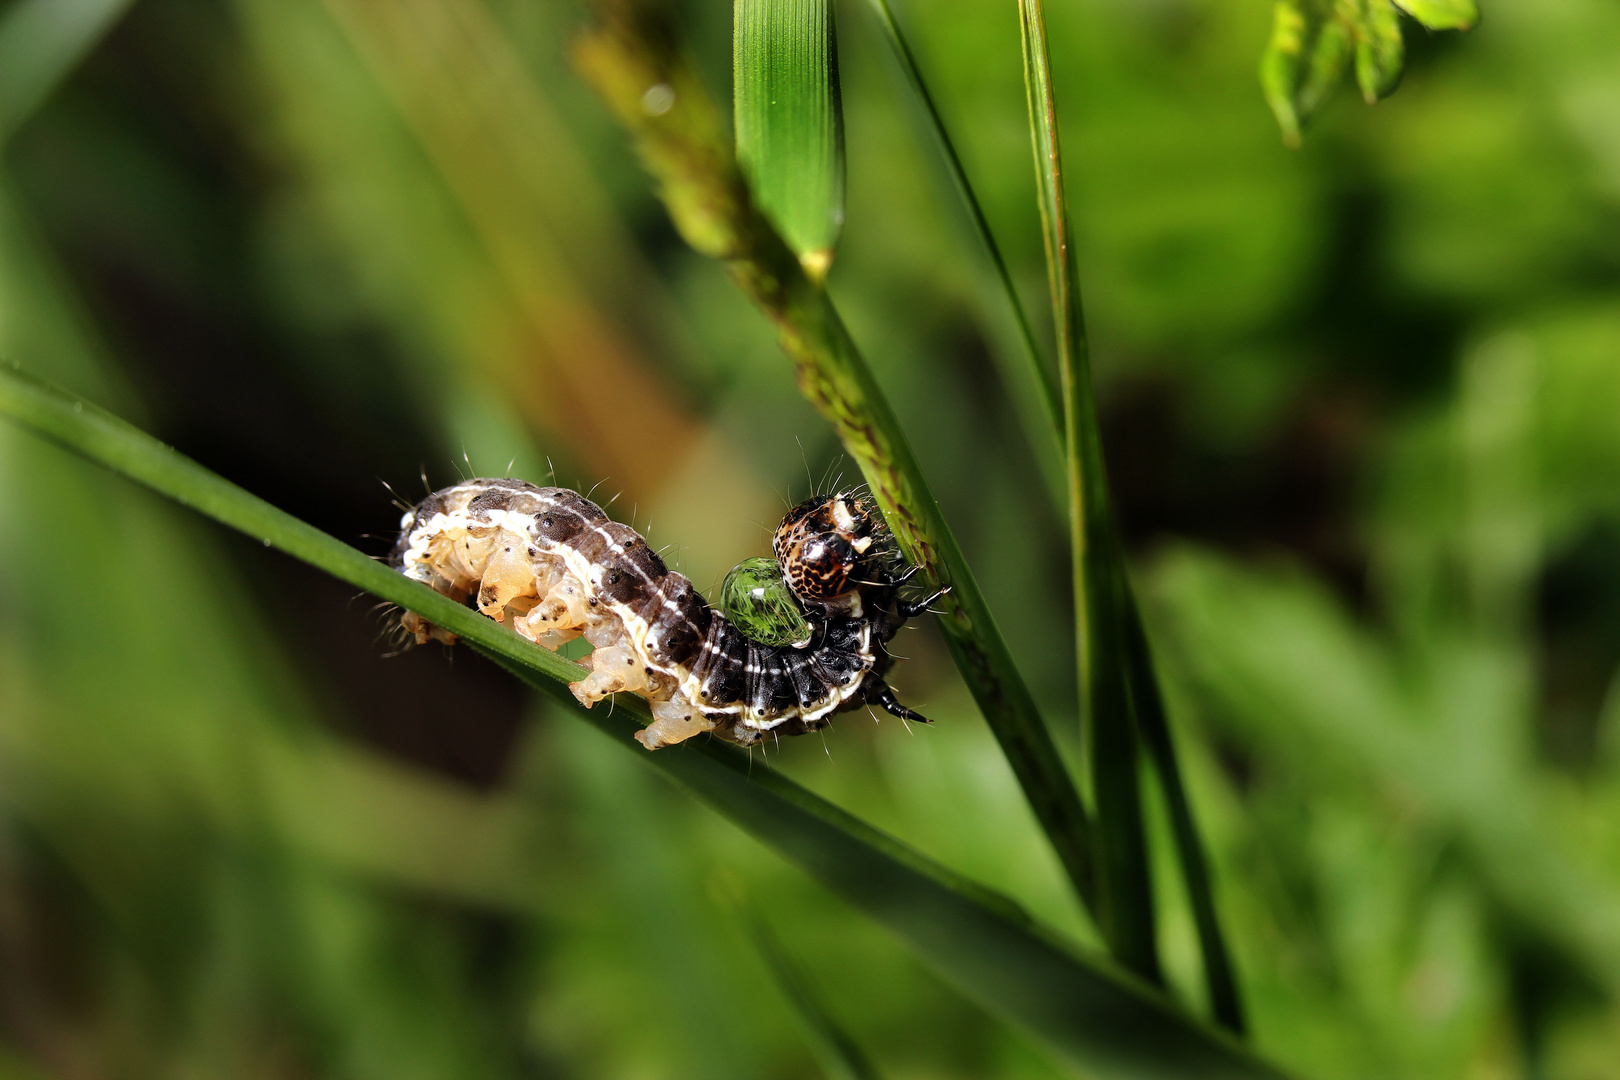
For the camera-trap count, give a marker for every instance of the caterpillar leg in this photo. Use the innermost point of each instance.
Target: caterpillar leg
(673, 722)
(564, 608)
(507, 577)
(461, 555)
(910, 609)
(424, 631)
(612, 669)
(880, 694)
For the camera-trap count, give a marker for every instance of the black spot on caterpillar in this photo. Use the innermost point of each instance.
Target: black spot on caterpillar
(550, 564)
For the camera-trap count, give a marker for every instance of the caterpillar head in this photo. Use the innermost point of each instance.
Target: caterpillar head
(822, 543)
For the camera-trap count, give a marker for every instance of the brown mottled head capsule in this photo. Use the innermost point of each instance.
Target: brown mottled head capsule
(822, 541)
(802, 638)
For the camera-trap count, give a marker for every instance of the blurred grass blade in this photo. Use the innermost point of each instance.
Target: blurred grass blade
(41, 42)
(977, 940)
(1102, 1019)
(1304, 61)
(1124, 885)
(1325, 697)
(841, 1056)
(1153, 724)
(1380, 52)
(573, 369)
(1039, 371)
(103, 438)
(1144, 686)
(631, 50)
(790, 123)
(1442, 14)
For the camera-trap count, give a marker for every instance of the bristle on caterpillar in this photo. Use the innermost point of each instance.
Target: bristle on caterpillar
(550, 564)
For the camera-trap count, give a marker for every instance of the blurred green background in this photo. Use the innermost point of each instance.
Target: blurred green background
(1362, 409)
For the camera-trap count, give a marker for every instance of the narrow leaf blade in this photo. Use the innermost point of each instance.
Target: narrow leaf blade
(1099, 1018)
(790, 125)
(1220, 976)
(841, 1056)
(1125, 908)
(41, 42)
(104, 438)
(1039, 373)
(631, 48)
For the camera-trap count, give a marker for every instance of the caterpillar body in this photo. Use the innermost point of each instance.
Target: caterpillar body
(551, 564)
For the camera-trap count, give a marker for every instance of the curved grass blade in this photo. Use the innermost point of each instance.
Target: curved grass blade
(1045, 381)
(1125, 906)
(708, 202)
(104, 438)
(841, 1056)
(1096, 1016)
(707, 198)
(789, 120)
(1126, 652)
(41, 41)
(1144, 686)
(1153, 724)
(978, 941)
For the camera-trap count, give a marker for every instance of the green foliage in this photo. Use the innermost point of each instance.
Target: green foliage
(1442, 14)
(1313, 43)
(1124, 906)
(1124, 706)
(41, 41)
(790, 126)
(1380, 51)
(630, 48)
(1030, 370)
(979, 941)
(1358, 407)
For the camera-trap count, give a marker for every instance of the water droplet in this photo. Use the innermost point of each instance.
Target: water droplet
(658, 100)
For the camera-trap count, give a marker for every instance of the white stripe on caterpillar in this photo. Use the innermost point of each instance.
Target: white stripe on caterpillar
(549, 563)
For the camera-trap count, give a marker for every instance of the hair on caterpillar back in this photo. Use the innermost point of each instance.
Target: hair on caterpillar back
(550, 564)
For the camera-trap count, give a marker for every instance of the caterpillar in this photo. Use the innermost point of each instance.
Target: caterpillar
(800, 637)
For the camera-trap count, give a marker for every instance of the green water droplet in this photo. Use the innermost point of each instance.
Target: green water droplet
(760, 604)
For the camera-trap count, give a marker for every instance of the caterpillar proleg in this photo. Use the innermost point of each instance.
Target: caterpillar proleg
(791, 649)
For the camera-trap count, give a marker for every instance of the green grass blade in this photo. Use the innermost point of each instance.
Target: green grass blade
(708, 200)
(1124, 885)
(1114, 649)
(104, 438)
(41, 41)
(1039, 372)
(790, 123)
(1100, 1018)
(981, 943)
(841, 1056)
(1153, 724)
